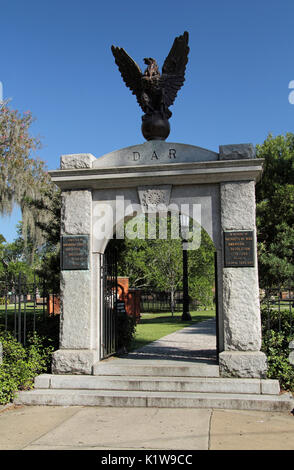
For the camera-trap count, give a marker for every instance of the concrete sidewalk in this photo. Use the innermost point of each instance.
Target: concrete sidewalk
(144, 428)
(100, 428)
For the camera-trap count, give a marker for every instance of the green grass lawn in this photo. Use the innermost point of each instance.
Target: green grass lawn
(13, 311)
(29, 307)
(153, 326)
(29, 310)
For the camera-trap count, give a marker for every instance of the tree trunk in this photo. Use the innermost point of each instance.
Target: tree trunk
(172, 301)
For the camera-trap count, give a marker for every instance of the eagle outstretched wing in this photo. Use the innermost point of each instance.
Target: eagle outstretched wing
(174, 67)
(130, 72)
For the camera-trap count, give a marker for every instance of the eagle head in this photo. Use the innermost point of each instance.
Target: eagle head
(152, 67)
(149, 61)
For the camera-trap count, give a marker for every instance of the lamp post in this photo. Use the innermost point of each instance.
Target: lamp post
(184, 222)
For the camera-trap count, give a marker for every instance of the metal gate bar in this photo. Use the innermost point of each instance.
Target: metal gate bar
(108, 291)
(20, 311)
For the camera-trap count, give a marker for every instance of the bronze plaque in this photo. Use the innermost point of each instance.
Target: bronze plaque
(74, 252)
(239, 249)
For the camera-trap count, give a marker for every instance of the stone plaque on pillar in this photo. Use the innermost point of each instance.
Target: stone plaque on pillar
(239, 249)
(74, 252)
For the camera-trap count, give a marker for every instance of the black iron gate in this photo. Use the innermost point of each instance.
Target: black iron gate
(108, 296)
(28, 306)
(216, 303)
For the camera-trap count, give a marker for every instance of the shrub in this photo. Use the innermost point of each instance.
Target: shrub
(275, 344)
(21, 364)
(126, 327)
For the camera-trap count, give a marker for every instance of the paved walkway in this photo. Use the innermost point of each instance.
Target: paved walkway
(103, 428)
(195, 343)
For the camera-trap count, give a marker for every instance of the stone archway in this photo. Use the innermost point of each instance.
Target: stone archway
(97, 192)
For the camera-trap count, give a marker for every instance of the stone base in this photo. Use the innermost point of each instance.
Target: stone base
(242, 364)
(74, 361)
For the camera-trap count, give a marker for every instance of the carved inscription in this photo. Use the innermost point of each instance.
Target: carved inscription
(154, 155)
(75, 252)
(239, 249)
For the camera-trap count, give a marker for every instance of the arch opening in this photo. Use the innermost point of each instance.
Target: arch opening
(150, 285)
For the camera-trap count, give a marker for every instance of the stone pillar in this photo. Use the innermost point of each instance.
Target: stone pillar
(78, 345)
(241, 311)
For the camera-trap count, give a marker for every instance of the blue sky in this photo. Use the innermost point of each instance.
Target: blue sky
(56, 62)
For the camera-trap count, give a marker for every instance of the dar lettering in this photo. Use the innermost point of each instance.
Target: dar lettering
(155, 156)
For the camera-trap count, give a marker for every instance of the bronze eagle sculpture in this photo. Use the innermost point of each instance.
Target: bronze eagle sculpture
(155, 92)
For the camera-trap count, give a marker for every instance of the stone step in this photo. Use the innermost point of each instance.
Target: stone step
(169, 384)
(131, 367)
(119, 398)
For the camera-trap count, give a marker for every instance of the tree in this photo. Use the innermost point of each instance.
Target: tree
(166, 265)
(47, 209)
(275, 211)
(22, 177)
(13, 259)
(157, 264)
(201, 271)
